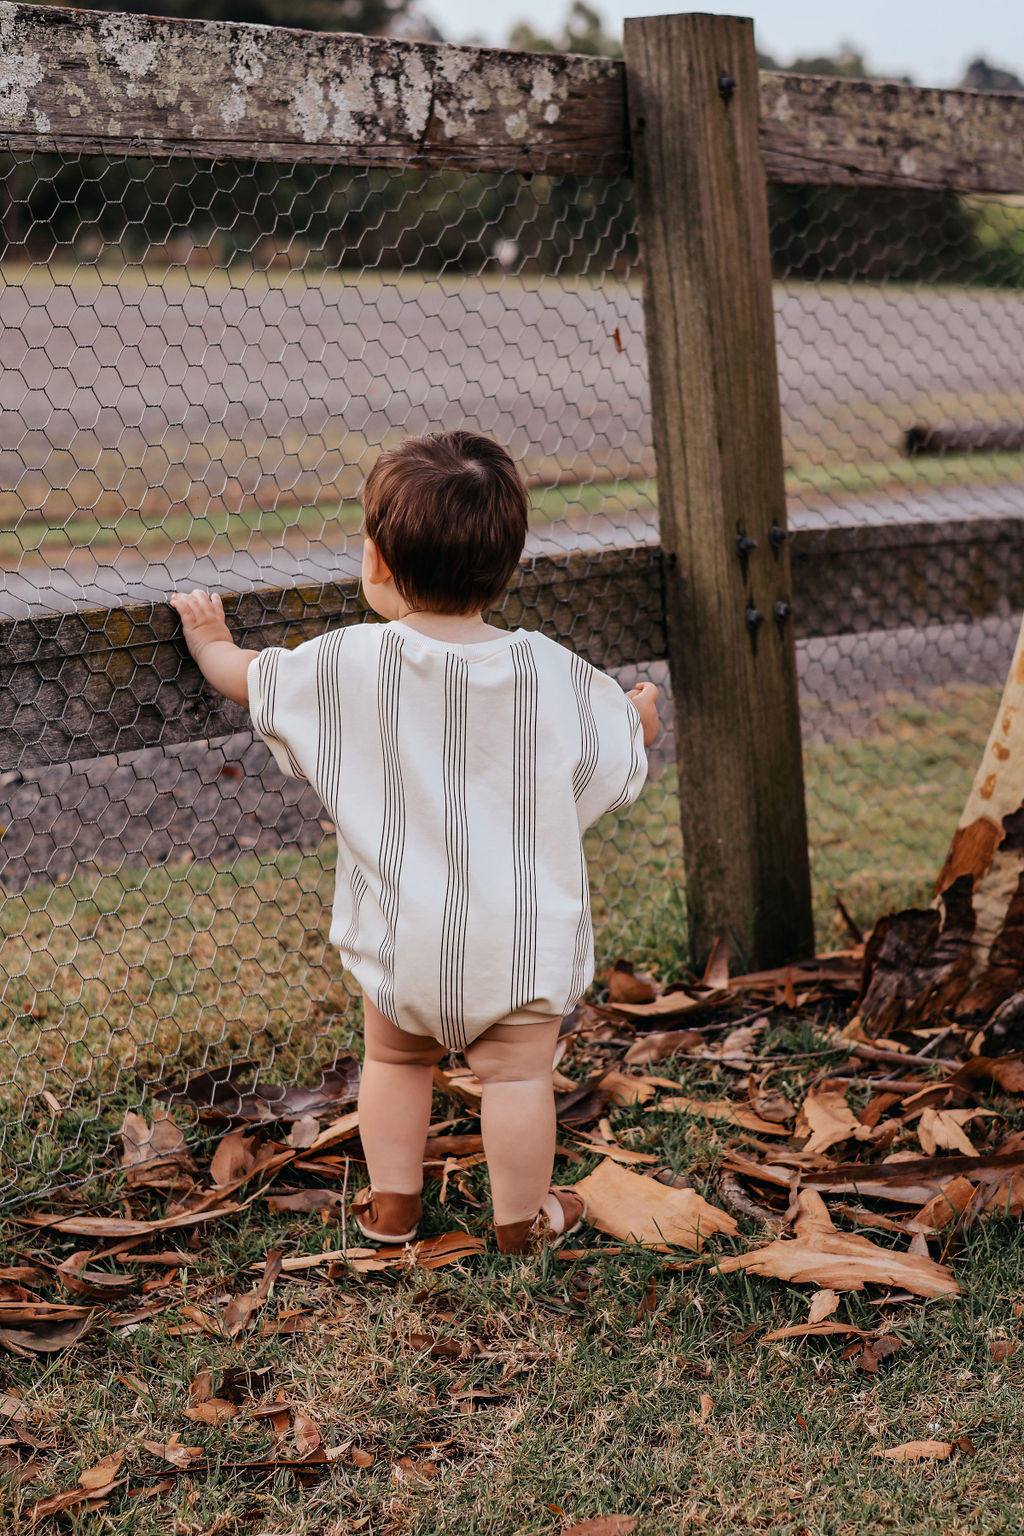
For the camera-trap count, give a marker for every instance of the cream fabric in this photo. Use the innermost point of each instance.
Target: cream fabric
(460, 779)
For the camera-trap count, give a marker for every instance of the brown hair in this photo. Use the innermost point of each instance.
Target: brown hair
(448, 513)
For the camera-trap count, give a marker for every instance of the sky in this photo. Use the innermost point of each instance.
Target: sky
(930, 40)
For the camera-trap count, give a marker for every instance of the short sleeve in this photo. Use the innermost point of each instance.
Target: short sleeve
(613, 762)
(283, 705)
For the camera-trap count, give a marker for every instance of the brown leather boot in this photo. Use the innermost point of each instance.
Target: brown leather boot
(387, 1218)
(533, 1233)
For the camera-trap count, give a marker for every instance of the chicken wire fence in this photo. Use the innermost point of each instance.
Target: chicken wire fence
(201, 361)
(900, 332)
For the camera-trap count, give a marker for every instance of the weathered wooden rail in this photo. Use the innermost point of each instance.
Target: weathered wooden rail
(102, 680)
(85, 80)
(688, 117)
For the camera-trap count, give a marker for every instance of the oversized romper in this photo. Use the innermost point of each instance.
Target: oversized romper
(460, 779)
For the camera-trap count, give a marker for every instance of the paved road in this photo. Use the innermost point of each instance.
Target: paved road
(209, 391)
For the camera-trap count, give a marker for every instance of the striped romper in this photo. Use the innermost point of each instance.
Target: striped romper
(460, 779)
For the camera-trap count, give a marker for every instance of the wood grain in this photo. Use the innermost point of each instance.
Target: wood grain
(703, 225)
(99, 81)
(869, 133)
(88, 80)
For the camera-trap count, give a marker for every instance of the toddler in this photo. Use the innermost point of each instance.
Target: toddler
(461, 765)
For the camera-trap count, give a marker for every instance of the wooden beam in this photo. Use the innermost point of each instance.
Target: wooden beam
(703, 222)
(82, 684)
(99, 81)
(869, 133)
(849, 581)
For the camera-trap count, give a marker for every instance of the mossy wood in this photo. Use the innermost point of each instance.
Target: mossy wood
(80, 80)
(703, 224)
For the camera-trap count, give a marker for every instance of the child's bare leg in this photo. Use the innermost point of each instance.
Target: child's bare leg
(517, 1117)
(394, 1102)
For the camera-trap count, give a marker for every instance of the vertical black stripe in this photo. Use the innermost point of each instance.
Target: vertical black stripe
(456, 842)
(636, 757)
(392, 836)
(582, 675)
(265, 718)
(358, 889)
(329, 722)
(582, 946)
(524, 826)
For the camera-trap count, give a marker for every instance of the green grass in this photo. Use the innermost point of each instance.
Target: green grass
(606, 1385)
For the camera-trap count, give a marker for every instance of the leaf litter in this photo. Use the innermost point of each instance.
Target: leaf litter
(783, 1145)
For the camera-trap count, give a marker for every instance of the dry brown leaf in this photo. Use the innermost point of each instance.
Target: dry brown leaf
(215, 1411)
(944, 1209)
(945, 1128)
(1007, 1072)
(123, 1226)
(723, 1110)
(918, 1450)
(613, 1150)
(45, 1329)
(625, 985)
(57, 1503)
(810, 1331)
(235, 1156)
(1001, 1349)
(628, 1206)
(305, 1434)
(360, 1458)
(306, 1201)
(716, 972)
(602, 1525)
(102, 1474)
(842, 1261)
(174, 1452)
(660, 1044)
(304, 1132)
(623, 1090)
(672, 1005)
(823, 1304)
(869, 1353)
(826, 1119)
(155, 1156)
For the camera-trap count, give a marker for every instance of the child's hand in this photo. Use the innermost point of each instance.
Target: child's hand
(202, 619)
(645, 697)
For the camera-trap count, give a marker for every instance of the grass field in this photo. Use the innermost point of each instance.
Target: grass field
(508, 1397)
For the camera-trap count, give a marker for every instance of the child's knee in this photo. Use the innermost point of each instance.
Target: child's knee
(519, 1054)
(385, 1042)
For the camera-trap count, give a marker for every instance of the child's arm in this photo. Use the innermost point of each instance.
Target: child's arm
(645, 697)
(221, 661)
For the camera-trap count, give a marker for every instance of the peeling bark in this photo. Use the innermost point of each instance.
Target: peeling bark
(964, 957)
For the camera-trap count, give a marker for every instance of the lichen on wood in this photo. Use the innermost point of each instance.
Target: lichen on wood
(96, 80)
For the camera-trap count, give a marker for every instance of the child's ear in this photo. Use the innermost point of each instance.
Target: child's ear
(375, 567)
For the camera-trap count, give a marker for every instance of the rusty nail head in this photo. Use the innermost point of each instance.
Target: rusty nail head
(744, 545)
(726, 86)
(782, 611)
(777, 536)
(754, 618)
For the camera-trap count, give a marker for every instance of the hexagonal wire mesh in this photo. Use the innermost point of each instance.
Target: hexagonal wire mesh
(200, 364)
(900, 325)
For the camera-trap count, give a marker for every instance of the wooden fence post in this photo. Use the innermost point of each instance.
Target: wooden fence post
(693, 98)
